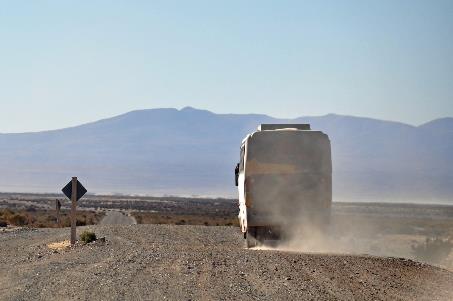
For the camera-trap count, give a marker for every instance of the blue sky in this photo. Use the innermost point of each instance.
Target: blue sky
(64, 63)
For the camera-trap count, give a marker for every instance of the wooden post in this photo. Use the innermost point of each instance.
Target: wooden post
(73, 210)
(57, 208)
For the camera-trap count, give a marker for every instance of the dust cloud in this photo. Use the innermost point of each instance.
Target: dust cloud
(422, 239)
(311, 239)
(289, 185)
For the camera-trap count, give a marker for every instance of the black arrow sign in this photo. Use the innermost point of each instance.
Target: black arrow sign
(67, 190)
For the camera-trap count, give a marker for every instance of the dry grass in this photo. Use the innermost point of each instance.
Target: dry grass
(34, 218)
(183, 219)
(59, 246)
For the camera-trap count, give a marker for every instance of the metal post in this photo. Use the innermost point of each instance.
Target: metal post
(57, 208)
(73, 210)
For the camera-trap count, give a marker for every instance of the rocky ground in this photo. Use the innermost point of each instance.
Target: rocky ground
(169, 262)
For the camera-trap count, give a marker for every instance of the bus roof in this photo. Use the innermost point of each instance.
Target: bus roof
(274, 126)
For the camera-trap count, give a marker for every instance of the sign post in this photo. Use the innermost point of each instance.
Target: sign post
(73, 210)
(57, 208)
(74, 190)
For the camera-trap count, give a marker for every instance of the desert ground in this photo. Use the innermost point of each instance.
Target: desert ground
(177, 252)
(185, 262)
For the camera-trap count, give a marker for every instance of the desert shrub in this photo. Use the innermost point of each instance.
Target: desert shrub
(65, 221)
(6, 211)
(87, 236)
(46, 218)
(5, 214)
(90, 220)
(433, 250)
(80, 222)
(30, 219)
(18, 219)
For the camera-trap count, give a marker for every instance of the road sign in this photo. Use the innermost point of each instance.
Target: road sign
(67, 190)
(74, 191)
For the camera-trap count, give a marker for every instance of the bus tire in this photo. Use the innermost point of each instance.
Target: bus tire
(251, 240)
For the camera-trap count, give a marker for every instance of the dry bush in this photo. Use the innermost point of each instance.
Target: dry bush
(38, 218)
(5, 214)
(18, 219)
(186, 219)
(87, 236)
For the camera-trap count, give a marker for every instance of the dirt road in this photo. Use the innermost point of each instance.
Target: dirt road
(117, 218)
(158, 262)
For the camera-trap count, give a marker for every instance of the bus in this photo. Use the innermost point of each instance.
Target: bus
(284, 179)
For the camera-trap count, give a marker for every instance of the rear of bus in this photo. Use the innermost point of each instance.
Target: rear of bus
(287, 180)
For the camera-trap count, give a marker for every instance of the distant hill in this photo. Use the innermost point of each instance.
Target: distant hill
(190, 151)
(441, 125)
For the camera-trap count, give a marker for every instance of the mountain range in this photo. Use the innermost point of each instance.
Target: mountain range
(193, 152)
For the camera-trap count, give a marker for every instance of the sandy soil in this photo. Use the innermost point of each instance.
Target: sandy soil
(158, 262)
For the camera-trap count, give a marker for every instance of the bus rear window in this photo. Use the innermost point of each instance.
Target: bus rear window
(304, 151)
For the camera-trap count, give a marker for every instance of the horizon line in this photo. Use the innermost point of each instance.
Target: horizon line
(186, 108)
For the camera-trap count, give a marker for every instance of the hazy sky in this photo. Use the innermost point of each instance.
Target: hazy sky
(63, 63)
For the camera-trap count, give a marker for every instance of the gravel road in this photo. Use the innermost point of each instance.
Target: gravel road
(117, 218)
(167, 262)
